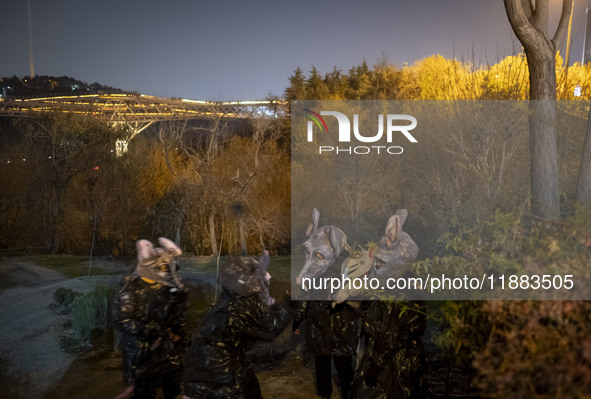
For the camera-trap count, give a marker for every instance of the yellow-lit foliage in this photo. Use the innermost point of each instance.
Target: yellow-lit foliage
(151, 178)
(443, 79)
(579, 76)
(506, 80)
(440, 78)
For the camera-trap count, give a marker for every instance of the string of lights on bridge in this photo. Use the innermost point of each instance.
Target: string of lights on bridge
(138, 111)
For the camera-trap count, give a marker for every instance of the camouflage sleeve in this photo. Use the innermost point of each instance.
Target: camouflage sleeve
(300, 310)
(377, 325)
(413, 320)
(178, 315)
(260, 322)
(124, 310)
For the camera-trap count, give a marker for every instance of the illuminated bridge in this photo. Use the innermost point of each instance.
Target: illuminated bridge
(136, 110)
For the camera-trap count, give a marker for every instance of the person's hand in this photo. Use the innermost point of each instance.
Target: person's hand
(296, 327)
(156, 343)
(174, 337)
(186, 397)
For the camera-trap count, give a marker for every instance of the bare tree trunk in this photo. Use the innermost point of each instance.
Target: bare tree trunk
(529, 21)
(584, 183)
(243, 249)
(545, 200)
(90, 184)
(212, 237)
(261, 240)
(55, 230)
(178, 227)
(57, 217)
(545, 192)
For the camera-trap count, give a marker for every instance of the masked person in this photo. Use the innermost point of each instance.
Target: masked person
(150, 312)
(331, 329)
(392, 361)
(331, 336)
(217, 365)
(391, 357)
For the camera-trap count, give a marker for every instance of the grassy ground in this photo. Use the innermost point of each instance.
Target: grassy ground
(71, 266)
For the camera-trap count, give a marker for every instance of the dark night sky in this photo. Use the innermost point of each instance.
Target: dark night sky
(231, 50)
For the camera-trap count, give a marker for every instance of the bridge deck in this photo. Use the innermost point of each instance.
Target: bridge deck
(135, 108)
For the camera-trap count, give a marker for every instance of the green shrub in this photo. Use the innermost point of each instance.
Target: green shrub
(65, 296)
(520, 349)
(91, 312)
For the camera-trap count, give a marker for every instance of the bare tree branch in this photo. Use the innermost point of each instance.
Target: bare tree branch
(540, 16)
(562, 24)
(528, 8)
(520, 22)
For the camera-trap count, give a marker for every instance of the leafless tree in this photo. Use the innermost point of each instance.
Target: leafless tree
(72, 145)
(529, 20)
(198, 146)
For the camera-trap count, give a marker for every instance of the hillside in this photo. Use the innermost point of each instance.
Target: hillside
(41, 85)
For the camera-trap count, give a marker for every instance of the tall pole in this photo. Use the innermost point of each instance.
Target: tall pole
(587, 42)
(31, 62)
(568, 35)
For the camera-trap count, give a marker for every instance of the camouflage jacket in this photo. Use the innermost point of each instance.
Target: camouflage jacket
(330, 328)
(216, 365)
(391, 357)
(151, 318)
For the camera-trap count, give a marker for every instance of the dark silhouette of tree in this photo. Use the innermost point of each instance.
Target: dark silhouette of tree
(43, 84)
(297, 86)
(316, 88)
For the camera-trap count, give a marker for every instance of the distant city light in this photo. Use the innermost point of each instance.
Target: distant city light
(193, 101)
(121, 147)
(577, 91)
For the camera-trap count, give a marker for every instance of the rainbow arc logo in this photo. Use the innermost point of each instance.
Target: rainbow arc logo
(317, 119)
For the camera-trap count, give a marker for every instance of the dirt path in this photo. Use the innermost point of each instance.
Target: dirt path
(29, 330)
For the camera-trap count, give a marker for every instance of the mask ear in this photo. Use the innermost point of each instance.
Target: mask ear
(145, 251)
(403, 214)
(393, 229)
(315, 218)
(309, 230)
(169, 246)
(338, 239)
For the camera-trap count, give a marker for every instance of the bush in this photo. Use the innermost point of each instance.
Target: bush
(520, 349)
(91, 313)
(536, 349)
(65, 296)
